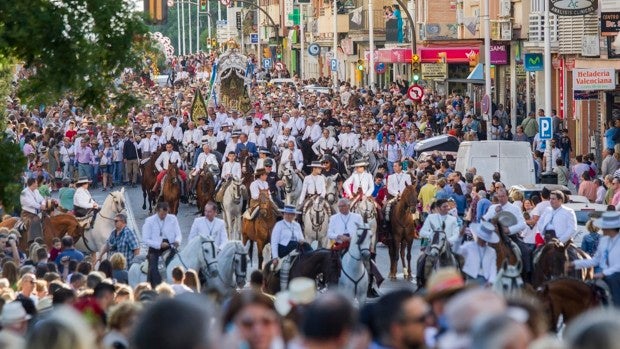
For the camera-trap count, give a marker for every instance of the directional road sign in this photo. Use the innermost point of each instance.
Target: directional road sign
(279, 66)
(545, 128)
(266, 63)
(333, 64)
(415, 93)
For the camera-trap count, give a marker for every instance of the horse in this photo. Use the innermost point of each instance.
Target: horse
(232, 266)
(505, 249)
(331, 191)
(259, 229)
(367, 208)
(508, 280)
(149, 177)
(187, 154)
(354, 277)
(232, 204)
(551, 259)
(93, 239)
(437, 255)
(292, 186)
(170, 188)
(247, 167)
(205, 188)
(315, 217)
(568, 298)
(321, 265)
(403, 221)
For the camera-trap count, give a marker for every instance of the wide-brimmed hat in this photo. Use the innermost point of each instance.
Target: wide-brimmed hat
(444, 283)
(316, 164)
(259, 172)
(83, 180)
(236, 133)
(608, 220)
(360, 163)
(506, 219)
(485, 231)
(268, 162)
(13, 312)
(300, 291)
(289, 209)
(263, 150)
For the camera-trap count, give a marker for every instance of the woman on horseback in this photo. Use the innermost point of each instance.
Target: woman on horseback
(314, 184)
(286, 237)
(82, 200)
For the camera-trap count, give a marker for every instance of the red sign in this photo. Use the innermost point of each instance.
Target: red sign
(415, 93)
(451, 54)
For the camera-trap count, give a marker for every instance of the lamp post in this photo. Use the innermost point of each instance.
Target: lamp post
(335, 43)
(371, 44)
(547, 66)
(487, 62)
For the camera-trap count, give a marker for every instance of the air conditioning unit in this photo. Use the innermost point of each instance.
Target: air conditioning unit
(537, 27)
(501, 30)
(504, 8)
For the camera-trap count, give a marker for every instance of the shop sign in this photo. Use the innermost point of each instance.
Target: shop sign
(594, 79)
(458, 55)
(499, 54)
(610, 22)
(572, 7)
(434, 70)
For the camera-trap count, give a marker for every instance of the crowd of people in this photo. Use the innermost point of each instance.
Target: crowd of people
(54, 298)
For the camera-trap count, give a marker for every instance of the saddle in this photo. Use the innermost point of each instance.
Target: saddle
(292, 257)
(165, 257)
(144, 161)
(251, 213)
(602, 290)
(87, 221)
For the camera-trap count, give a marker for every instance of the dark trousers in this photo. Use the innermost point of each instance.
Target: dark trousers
(283, 250)
(153, 275)
(613, 281)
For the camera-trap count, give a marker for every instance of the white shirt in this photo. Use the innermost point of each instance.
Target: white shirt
(312, 185)
(164, 159)
(356, 181)
(144, 145)
(231, 169)
(194, 135)
(474, 254)
(393, 152)
(292, 155)
(66, 153)
(340, 224)
(258, 139)
(371, 144)
(212, 230)
(282, 140)
(83, 199)
(283, 233)
(203, 159)
(154, 230)
(256, 187)
(517, 228)
(312, 132)
(323, 144)
(31, 201)
(348, 140)
(397, 182)
(562, 220)
(607, 256)
(154, 143)
(447, 223)
(171, 132)
(260, 164)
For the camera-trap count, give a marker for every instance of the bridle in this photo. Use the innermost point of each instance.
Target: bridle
(211, 244)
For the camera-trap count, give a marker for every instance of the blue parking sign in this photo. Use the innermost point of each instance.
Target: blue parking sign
(545, 128)
(267, 63)
(334, 64)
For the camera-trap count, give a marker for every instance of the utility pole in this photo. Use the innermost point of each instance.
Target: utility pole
(371, 44)
(487, 63)
(335, 43)
(303, 40)
(547, 66)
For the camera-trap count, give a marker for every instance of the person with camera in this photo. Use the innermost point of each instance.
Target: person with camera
(160, 233)
(9, 241)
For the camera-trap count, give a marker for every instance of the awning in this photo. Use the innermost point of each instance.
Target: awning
(390, 55)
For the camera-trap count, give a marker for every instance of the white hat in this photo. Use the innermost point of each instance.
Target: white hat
(317, 164)
(83, 180)
(608, 220)
(289, 209)
(360, 163)
(13, 312)
(485, 231)
(301, 290)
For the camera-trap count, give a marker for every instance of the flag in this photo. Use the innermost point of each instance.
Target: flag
(199, 107)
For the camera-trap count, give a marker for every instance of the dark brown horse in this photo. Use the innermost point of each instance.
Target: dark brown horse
(259, 229)
(322, 262)
(505, 249)
(205, 188)
(149, 177)
(247, 168)
(569, 298)
(550, 261)
(404, 222)
(171, 188)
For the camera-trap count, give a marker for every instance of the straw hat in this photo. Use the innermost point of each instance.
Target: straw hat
(83, 180)
(608, 220)
(316, 164)
(360, 163)
(13, 312)
(485, 231)
(300, 291)
(444, 283)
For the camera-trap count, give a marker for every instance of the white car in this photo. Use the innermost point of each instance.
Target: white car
(584, 212)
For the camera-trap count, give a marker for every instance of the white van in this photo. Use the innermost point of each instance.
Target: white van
(513, 160)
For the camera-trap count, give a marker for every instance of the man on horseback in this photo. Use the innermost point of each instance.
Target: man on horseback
(163, 162)
(286, 237)
(274, 183)
(259, 184)
(325, 144)
(396, 184)
(32, 204)
(160, 232)
(313, 185)
(230, 170)
(441, 221)
(607, 256)
(557, 221)
(83, 202)
(210, 227)
(204, 158)
(480, 265)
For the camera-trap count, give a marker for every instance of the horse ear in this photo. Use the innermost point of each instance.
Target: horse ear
(122, 190)
(247, 245)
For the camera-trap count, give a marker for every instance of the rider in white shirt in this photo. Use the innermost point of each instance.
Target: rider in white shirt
(286, 237)
(173, 131)
(441, 220)
(396, 184)
(360, 181)
(163, 162)
(480, 259)
(343, 224)
(557, 221)
(325, 145)
(314, 184)
(312, 133)
(32, 204)
(159, 232)
(210, 227)
(82, 200)
(204, 158)
(257, 137)
(291, 156)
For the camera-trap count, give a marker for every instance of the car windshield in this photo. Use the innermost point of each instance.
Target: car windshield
(584, 215)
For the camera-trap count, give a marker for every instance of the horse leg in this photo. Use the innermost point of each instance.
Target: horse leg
(403, 261)
(396, 242)
(260, 245)
(144, 195)
(409, 246)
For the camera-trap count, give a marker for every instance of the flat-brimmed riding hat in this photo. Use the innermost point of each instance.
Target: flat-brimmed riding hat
(263, 150)
(301, 291)
(485, 231)
(608, 220)
(83, 180)
(360, 163)
(506, 219)
(268, 162)
(13, 312)
(289, 209)
(317, 164)
(444, 283)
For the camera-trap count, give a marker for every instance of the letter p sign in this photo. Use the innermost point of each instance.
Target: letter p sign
(545, 128)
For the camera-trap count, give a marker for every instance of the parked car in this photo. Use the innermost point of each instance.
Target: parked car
(584, 212)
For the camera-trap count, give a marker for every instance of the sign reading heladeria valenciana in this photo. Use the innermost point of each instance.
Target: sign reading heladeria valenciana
(572, 7)
(594, 79)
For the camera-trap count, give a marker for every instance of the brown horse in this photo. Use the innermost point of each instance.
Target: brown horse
(505, 249)
(551, 259)
(205, 189)
(171, 188)
(60, 225)
(149, 177)
(247, 168)
(404, 221)
(569, 298)
(259, 229)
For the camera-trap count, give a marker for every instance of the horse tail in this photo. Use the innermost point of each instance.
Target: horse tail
(251, 253)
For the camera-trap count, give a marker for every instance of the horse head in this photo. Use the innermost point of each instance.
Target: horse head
(235, 187)
(118, 200)
(209, 255)
(438, 244)
(509, 278)
(363, 237)
(173, 172)
(287, 178)
(410, 197)
(240, 264)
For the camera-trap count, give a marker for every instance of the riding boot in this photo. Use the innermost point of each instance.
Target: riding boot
(183, 192)
(284, 271)
(155, 187)
(371, 292)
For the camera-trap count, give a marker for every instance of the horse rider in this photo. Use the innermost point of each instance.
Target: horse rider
(83, 202)
(263, 154)
(210, 227)
(245, 145)
(230, 170)
(162, 163)
(274, 183)
(480, 266)
(348, 140)
(173, 131)
(396, 184)
(328, 170)
(313, 185)
(441, 221)
(291, 157)
(259, 184)
(286, 237)
(32, 203)
(204, 158)
(360, 183)
(160, 232)
(325, 144)
(607, 255)
(557, 221)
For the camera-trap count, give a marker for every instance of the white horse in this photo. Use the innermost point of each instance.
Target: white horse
(232, 265)
(95, 237)
(199, 254)
(316, 218)
(292, 186)
(232, 203)
(508, 280)
(331, 191)
(354, 277)
(366, 208)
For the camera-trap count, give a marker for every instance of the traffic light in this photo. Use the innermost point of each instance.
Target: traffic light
(415, 67)
(213, 42)
(203, 5)
(266, 52)
(279, 52)
(157, 10)
(360, 64)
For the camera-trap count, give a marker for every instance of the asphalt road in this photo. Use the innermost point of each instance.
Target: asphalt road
(187, 214)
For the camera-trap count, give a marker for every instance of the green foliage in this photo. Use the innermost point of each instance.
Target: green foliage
(12, 163)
